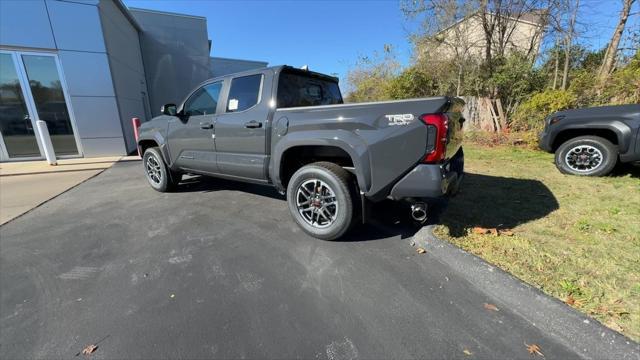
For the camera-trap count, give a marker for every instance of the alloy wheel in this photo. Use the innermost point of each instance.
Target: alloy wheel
(583, 158)
(154, 171)
(317, 203)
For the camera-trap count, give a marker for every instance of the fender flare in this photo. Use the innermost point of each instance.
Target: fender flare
(345, 140)
(157, 137)
(622, 131)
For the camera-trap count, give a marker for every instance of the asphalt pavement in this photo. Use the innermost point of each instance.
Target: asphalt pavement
(219, 270)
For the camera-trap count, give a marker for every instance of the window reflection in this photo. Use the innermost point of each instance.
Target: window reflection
(15, 124)
(51, 106)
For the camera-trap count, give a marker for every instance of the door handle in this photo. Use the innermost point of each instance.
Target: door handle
(206, 125)
(253, 124)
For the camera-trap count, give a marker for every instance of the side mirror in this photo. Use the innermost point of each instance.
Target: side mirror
(169, 109)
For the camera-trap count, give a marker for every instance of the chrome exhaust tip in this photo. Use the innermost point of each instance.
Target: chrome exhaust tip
(419, 212)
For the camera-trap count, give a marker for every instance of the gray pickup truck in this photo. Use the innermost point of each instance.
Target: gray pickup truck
(591, 141)
(290, 129)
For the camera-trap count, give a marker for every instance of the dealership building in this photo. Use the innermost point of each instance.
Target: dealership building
(87, 67)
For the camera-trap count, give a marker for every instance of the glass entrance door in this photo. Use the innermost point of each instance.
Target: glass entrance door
(16, 121)
(31, 89)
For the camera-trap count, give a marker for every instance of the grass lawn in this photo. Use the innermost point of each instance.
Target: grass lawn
(576, 238)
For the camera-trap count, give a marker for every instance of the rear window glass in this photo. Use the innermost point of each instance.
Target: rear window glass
(244, 93)
(305, 90)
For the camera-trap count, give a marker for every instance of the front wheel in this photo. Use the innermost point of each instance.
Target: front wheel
(320, 200)
(586, 156)
(160, 177)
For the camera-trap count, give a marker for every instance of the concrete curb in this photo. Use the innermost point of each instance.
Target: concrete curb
(584, 335)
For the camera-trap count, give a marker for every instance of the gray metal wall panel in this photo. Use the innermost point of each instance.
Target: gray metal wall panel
(86, 2)
(76, 26)
(127, 68)
(99, 116)
(87, 74)
(103, 147)
(222, 66)
(25, 24)
(175, 50)
(129, 109)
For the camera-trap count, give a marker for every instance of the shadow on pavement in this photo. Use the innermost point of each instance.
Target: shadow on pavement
(390, 218)
(495, 202)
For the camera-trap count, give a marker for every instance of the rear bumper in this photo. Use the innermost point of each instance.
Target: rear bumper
(431, 180)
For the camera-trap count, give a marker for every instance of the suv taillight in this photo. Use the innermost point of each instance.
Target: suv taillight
(437, 129)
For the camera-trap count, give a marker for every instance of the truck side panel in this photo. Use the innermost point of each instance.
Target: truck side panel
(384, 139)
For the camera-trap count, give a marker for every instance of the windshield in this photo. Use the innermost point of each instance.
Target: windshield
(304, 89)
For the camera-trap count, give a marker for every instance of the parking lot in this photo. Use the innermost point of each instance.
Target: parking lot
(219, 269)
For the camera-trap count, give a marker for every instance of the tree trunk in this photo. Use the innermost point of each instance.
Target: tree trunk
(557, 67)
(608, 63)
(567, 50)
(459, 85)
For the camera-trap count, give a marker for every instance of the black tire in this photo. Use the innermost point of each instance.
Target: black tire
(599, 153)
(339, 182)
(160, 177)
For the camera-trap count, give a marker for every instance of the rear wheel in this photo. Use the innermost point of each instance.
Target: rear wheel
(160, 177)
(586, 156)
(320, 199)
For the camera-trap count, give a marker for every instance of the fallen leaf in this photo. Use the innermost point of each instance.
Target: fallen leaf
(491, 307)
(421, 250)
(467, 352)
(172, 296)
(493, 231)
(480, 230)
(614, 326)
(89, 349)
(533, 349)
(570, 300)
(506, 232)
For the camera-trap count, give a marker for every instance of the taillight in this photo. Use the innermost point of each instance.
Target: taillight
(437, 129)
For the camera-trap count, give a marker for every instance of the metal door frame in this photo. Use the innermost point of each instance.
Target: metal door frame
(31, 105)
(4, 154)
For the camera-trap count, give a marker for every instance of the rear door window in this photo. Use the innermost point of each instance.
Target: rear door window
(306, 90)
(244, 93)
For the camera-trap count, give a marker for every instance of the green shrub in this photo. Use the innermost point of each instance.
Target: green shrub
(623, 87)
(531, 113)
(411, 83)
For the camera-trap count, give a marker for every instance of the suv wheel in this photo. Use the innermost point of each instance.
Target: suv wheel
(160, 177)
(320, 200)
(586, 156)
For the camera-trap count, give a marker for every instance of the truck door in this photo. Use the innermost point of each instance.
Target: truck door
(241, 134)
(190, 136)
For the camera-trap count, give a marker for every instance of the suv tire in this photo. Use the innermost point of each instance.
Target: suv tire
(586, 156)
(160, 177)
(320, 199)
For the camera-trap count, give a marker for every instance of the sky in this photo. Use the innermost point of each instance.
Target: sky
(330, 36)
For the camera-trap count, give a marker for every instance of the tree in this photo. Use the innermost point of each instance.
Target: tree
(567, 45)
(608, 63)
(369, 80)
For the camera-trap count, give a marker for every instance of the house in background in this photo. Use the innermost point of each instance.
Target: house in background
(87, 67)
(466, 37)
